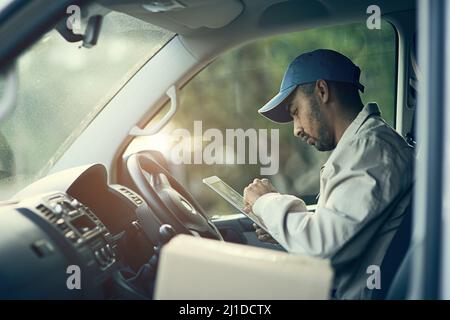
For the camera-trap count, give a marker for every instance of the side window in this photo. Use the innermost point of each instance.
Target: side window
(228, 93)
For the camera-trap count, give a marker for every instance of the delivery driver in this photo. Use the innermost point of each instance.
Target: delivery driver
(370, 167)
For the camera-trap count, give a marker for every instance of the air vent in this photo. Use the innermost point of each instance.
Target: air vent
(45, 211)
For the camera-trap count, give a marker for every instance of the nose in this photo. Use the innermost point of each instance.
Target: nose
(297, 131)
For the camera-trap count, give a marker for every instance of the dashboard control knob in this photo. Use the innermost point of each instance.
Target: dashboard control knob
(57, 209)
(110, 250)
(104, 254)
(71, 236)
(99, 258)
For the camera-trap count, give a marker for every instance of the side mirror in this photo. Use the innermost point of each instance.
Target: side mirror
(9, 92)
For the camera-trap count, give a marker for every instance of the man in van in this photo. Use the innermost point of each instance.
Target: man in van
(364, 185)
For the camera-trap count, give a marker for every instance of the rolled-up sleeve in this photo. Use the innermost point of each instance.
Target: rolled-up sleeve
(358, 185)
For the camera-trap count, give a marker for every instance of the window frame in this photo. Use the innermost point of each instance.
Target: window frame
(163, 102)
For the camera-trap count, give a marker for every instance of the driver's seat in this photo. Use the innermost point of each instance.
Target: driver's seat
(395, 255)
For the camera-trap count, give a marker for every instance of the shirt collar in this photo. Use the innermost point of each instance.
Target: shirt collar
(369, 110)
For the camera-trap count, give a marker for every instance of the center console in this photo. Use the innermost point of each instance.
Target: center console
(87, 240)
(55, 234)
(81, 227)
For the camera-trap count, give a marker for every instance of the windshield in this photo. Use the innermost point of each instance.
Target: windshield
(62, 87)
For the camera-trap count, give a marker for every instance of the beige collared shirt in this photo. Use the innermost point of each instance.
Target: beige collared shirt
(355, 219)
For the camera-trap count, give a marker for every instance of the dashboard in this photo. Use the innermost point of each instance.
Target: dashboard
(71, 235)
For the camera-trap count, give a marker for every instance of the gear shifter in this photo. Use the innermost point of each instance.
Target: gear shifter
(166, 232)
(145, 278)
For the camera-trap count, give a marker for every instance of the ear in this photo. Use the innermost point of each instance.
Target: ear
(322, 91)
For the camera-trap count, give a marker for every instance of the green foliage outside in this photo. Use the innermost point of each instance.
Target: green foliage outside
(228, 92)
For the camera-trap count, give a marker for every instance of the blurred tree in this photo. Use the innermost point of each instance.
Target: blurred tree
(228, 92)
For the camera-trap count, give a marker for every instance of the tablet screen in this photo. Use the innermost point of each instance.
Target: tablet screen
(232, 196)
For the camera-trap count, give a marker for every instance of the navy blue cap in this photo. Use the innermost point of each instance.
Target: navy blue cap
(308, 68)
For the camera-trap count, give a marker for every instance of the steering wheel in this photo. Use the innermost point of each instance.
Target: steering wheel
(169, 200)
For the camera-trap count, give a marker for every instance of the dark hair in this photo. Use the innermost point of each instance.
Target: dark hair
(307, 88)
(346, 93)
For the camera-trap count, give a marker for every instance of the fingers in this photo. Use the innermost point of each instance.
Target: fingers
(265, 238)
(264, 180)
(245, 195)
(260, 232)
(248, 189)
(255, 190)
(257, 182)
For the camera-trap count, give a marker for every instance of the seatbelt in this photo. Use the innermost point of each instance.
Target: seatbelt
(393, 205)
(396, 250)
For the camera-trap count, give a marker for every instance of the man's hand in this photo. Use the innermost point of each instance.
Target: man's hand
(255, 190)
(263, 236)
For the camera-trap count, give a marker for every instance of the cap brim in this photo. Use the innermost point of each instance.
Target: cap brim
(275, 110)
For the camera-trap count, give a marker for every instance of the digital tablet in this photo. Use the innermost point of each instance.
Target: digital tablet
(233, 197)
